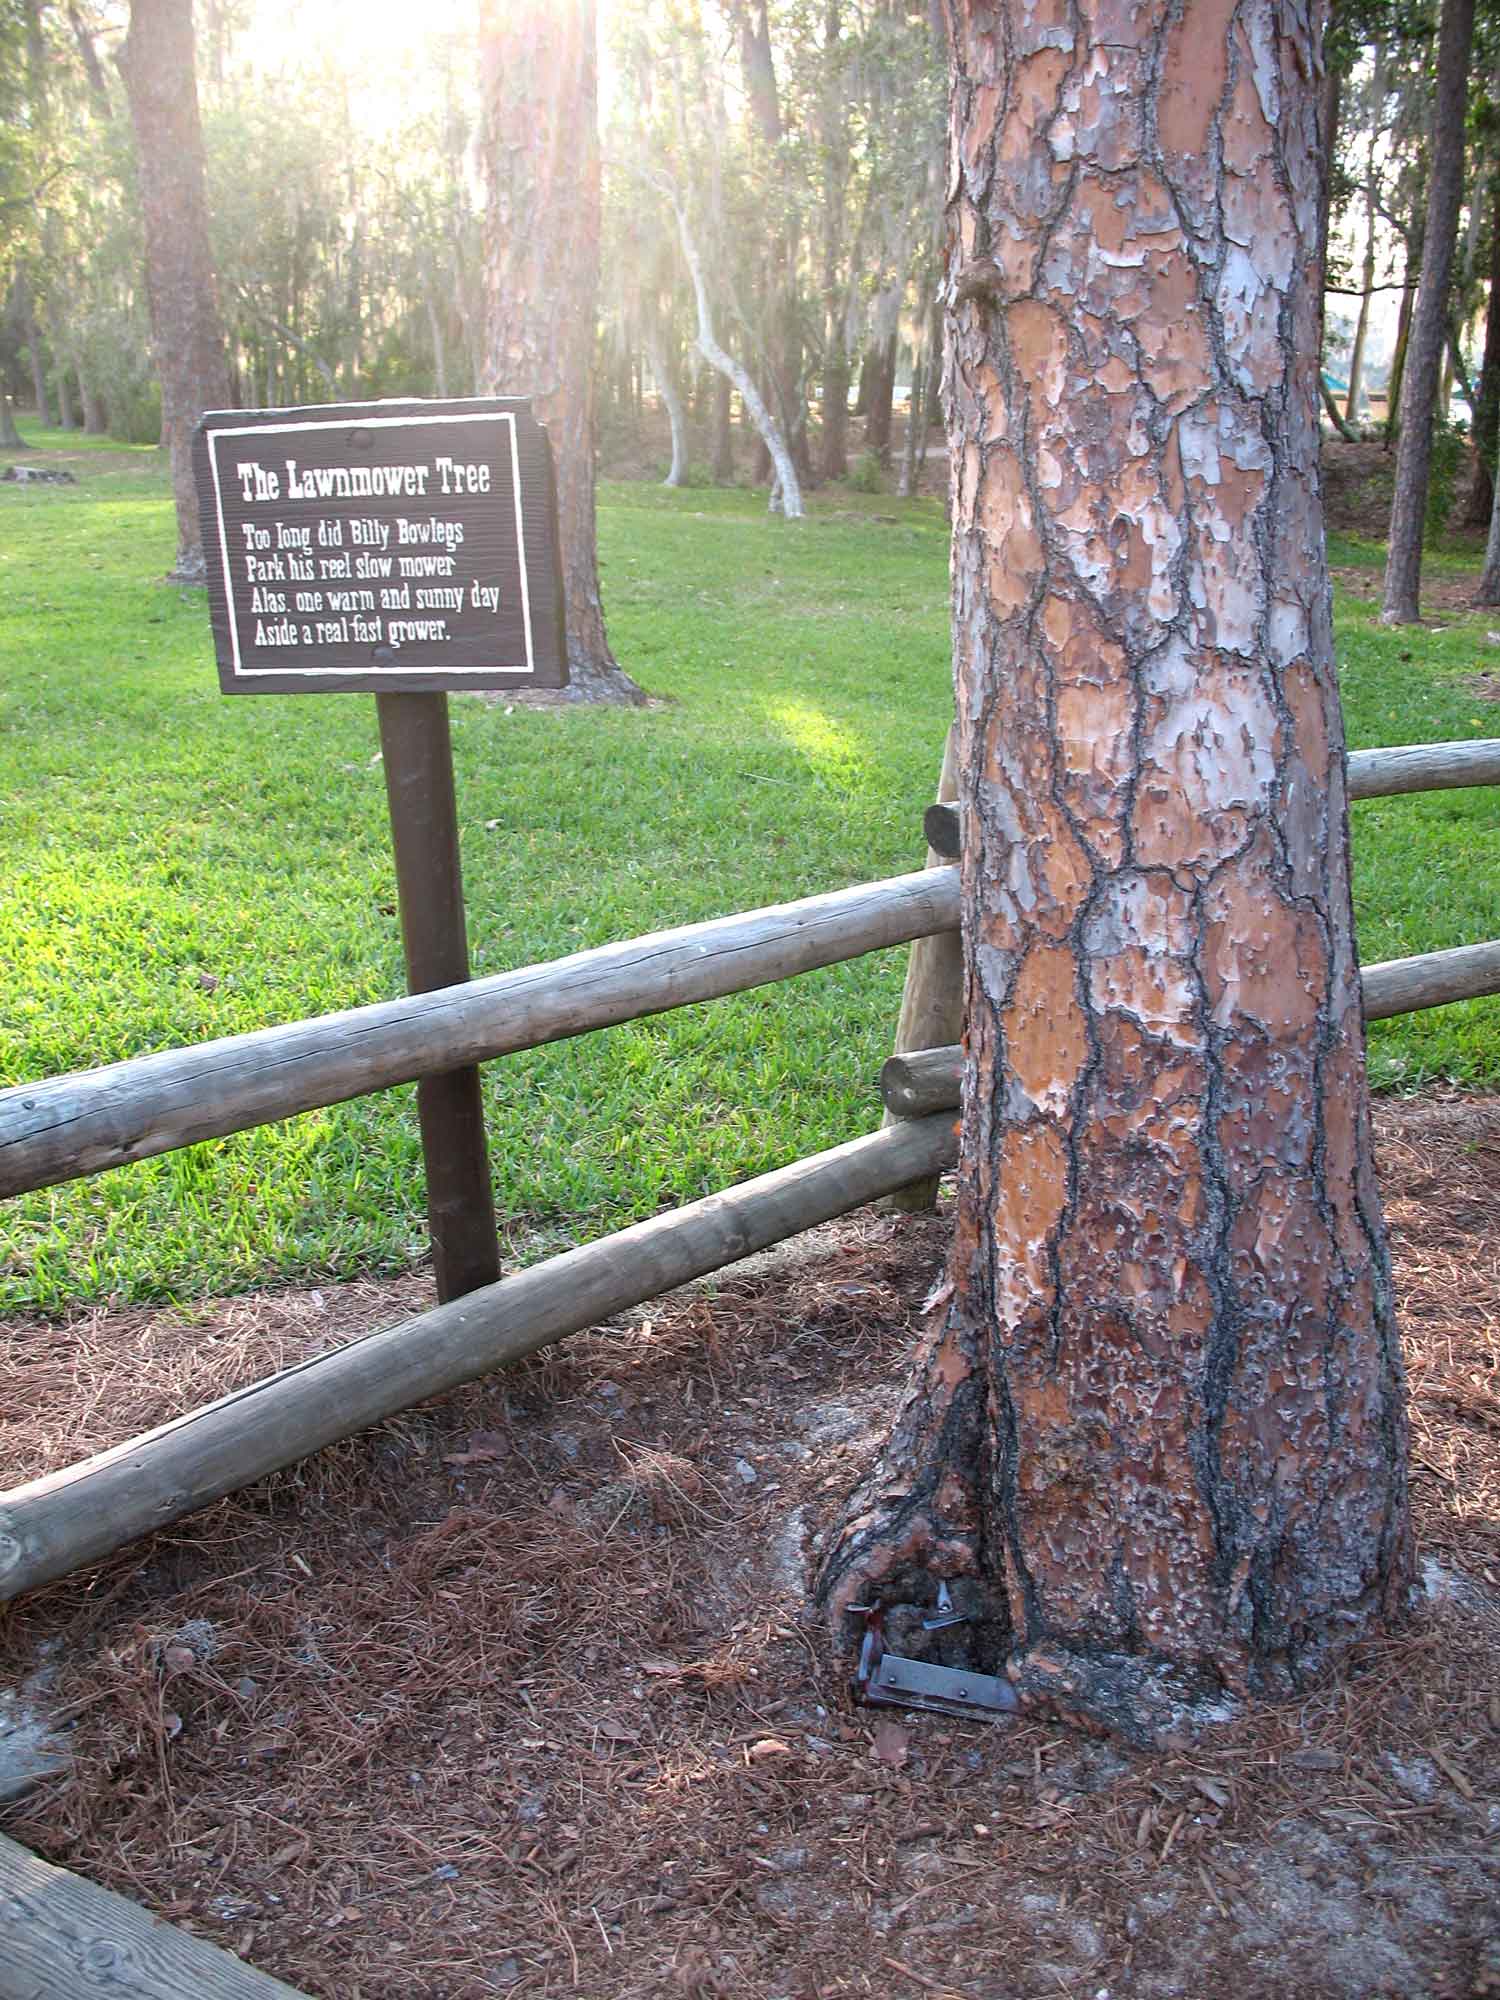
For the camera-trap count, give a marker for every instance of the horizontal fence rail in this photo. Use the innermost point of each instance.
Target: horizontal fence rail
(1404, 985)
(69, 1126)
(920, 1082)
(82, 1124)
(54, 1525)
(1373, 774)
(1423, 767)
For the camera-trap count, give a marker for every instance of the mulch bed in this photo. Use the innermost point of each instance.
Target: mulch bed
(519, 1693)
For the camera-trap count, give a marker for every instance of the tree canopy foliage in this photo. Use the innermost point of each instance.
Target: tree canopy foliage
(789, 151)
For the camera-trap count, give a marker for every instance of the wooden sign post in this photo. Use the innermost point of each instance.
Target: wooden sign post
(402, 549)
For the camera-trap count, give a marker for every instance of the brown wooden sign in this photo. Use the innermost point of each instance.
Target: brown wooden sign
(387, 547)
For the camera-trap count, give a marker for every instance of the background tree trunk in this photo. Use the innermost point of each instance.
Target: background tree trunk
(880, 362)
(1329, 113)
(1372, 188)
(187, 332)
(62, 382)
(1400, 604)
(723, 431)
(95, 420)
(836, 378)
(1487, 591)
(1487, 398)
(541, 157)
(1158, 1434)
(926, 370)
(31, 340)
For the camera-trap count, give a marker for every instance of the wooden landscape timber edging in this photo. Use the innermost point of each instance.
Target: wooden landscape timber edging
(56, 1524)
(1373, 774)
(925, 1081)
(68, 1126)
(66, 1937)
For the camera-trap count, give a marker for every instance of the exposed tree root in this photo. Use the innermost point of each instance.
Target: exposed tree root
(917, 1519)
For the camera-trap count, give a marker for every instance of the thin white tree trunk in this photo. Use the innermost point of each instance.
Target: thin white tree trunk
(786, 491)
(666, 385)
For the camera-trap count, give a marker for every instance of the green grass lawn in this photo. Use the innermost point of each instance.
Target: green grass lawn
(174, 865)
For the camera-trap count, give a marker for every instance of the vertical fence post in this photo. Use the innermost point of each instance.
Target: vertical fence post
(417, 751)
(932, 1002)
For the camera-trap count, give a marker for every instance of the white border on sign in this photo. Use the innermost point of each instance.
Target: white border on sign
(242, 672)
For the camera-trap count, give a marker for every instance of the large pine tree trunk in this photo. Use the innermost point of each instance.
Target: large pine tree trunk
(186, 330)
(541, 158)
(1157, 1434)
(1400, 604)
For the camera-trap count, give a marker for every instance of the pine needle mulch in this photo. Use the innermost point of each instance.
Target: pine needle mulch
(518, 1694)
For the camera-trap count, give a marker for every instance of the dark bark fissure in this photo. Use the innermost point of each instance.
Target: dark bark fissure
(1161, 1420)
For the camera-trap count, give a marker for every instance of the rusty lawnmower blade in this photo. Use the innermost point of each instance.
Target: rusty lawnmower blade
(886, 1679)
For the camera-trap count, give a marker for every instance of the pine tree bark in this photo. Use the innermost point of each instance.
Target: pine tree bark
(1400, 603)
(1157, 1432)
(540, 144)
(187, 332)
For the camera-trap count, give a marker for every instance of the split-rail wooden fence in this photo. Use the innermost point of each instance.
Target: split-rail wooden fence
(69, 1126)
(69, 1936)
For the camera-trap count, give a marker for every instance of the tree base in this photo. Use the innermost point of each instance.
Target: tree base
(603, 681)
(1145, 1703)
(190, 570)
(895, 1558)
